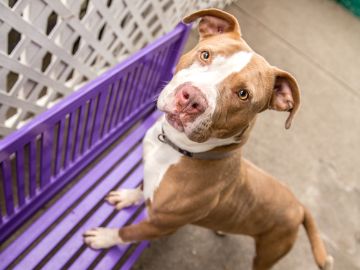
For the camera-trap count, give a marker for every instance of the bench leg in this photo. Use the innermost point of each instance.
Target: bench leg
(125, 197)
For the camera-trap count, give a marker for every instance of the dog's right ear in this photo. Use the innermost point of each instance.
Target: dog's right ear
(214, 22)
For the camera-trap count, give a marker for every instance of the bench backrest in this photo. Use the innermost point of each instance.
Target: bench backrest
(43, 156)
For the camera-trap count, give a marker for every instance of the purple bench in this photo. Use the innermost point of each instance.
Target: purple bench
(56, 170)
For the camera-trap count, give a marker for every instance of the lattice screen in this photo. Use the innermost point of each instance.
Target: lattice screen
(49, 48)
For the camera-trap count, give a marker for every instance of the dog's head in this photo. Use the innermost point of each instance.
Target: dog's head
(222, 84)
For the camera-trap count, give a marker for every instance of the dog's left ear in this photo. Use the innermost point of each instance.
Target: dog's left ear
(286, 94)
(214, 22)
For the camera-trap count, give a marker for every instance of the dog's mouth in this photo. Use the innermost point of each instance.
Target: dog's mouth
(175, 121)
(179, 120)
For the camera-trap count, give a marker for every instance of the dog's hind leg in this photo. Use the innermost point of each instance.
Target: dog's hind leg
(125, 197)
(271, 247)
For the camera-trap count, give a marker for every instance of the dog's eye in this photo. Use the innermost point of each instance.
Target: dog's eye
(205, 55)
(243, 94)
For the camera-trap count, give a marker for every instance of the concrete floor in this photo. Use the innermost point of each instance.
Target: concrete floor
(318, 41)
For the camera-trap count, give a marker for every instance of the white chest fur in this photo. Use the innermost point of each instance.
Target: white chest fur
(158, 157)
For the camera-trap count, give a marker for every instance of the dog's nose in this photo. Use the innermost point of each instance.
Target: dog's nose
(190, 100)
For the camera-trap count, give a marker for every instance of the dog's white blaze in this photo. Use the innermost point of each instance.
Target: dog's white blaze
(158, 157)
(206, 78)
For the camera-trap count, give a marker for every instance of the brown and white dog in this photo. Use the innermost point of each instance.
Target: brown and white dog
(194, 172)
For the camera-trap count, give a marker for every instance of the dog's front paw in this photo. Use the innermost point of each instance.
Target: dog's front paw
(102, 238)
(124, 198)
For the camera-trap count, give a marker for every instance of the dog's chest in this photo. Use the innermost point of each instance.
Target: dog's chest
(158, 157)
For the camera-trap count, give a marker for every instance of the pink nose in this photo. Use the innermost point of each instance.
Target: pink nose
(190, 100)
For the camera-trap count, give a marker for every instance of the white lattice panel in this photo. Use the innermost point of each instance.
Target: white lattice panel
(48, 48)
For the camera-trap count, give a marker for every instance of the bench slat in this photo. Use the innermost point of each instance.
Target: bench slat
(99, 116)
(124, 99)
(143, 86)
(132, 259)
(121, 87)
(8, 194)
(70, 139)
(88, 126)
(23, 241)
(97, 218)
(130, 262)
(149, 78)
(132, 94)
(46, 152)
(59, 146)
(109, 108)
(160, 64)
(79, 131)
(53, 237)
(32, 168)
(150, 81)
(20, 176)
(106, 108)
(117, 88)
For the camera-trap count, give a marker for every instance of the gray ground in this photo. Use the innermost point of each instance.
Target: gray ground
(318, 41)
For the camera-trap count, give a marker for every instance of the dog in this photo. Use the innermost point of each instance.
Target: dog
(193, 169)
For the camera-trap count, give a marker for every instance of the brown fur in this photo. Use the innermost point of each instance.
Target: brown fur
(232, 195)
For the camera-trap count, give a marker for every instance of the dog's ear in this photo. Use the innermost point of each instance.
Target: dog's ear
(285, 95)
(214, 22)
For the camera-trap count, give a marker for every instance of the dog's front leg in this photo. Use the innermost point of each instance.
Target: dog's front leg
(145, 230)
(107, 237)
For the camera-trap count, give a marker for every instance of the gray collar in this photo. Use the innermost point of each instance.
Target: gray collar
(209, 155)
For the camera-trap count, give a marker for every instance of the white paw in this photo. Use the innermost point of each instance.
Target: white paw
(125, 197)
(102, 237)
